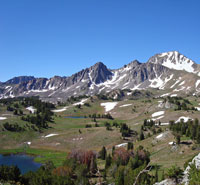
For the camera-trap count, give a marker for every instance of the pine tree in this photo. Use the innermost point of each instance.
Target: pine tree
(108, 161)
(113, 150)
(103, 153)
(93, 165)
(141, 135)
(178, 139)
(130, 146)
(156, 174)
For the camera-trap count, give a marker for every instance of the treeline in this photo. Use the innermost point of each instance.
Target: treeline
(181, 103)
(43, 113)
(99, 116)
(125, 130)
(73, 99)
(40, 118)
(149, 128)
(190, 129)
(14, 127)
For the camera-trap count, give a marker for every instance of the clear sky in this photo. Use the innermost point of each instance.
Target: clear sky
(44, 38)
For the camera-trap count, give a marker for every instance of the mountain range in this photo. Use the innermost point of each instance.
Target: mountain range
(169, 73)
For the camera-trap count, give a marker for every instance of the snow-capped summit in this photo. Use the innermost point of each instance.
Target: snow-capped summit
(175, 60)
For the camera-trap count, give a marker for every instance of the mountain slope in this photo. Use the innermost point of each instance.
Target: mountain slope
(171, 73)
(175, 60)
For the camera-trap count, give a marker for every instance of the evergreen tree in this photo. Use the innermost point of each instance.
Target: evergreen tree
(175, 173)
(141, 135)
(113, 150)
(103, 153)
(130, 146)
(178, 139)
(156, 174)
(119, 176)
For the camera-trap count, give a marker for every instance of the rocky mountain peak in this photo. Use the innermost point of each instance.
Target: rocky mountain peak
(20, 79)
(174, 60)
(99, 73)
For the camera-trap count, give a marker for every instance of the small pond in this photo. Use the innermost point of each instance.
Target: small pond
(75, 117)
(24, 162)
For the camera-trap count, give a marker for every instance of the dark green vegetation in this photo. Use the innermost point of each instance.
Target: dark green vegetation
(189, 129)
(180, 103)
(39, 119)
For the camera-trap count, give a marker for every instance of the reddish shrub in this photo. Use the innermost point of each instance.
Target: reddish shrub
(121, 155)
(63, 171)
(83, 157)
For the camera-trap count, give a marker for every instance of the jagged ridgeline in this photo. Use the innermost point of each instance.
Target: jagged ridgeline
(171, 73)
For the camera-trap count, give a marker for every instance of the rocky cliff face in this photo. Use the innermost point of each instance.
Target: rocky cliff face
(170, 72)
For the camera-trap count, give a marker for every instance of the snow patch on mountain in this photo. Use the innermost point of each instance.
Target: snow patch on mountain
(126, 105)
(176, 90)
(182, 83)
(60, 110)
(156, 83)
(159, 83)
(159, 113)
(31, 109)
(3, 118)
(173, 95)
(163, 95)
(180, 62)
(159, 136)
(185, 119)
(197, 83)
(121, 145)
(109, 106)
(50, 135)
(81, 102)
(176, 83)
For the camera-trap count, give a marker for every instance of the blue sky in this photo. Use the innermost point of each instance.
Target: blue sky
(44, 38)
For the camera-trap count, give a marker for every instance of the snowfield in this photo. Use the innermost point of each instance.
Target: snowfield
(60, 110)
(175, 83)
(160, 103)
(3, 118)
(31, 109)
(126, 105)
(109, 106)
(159, 136)
(198, 108)
(181, 62)
(50, 135)
(160, 117)
(121, 145)
(173, 95)
(197, 83)
(167, 94)
(185, 119)
(81, 102)
(155, 114)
